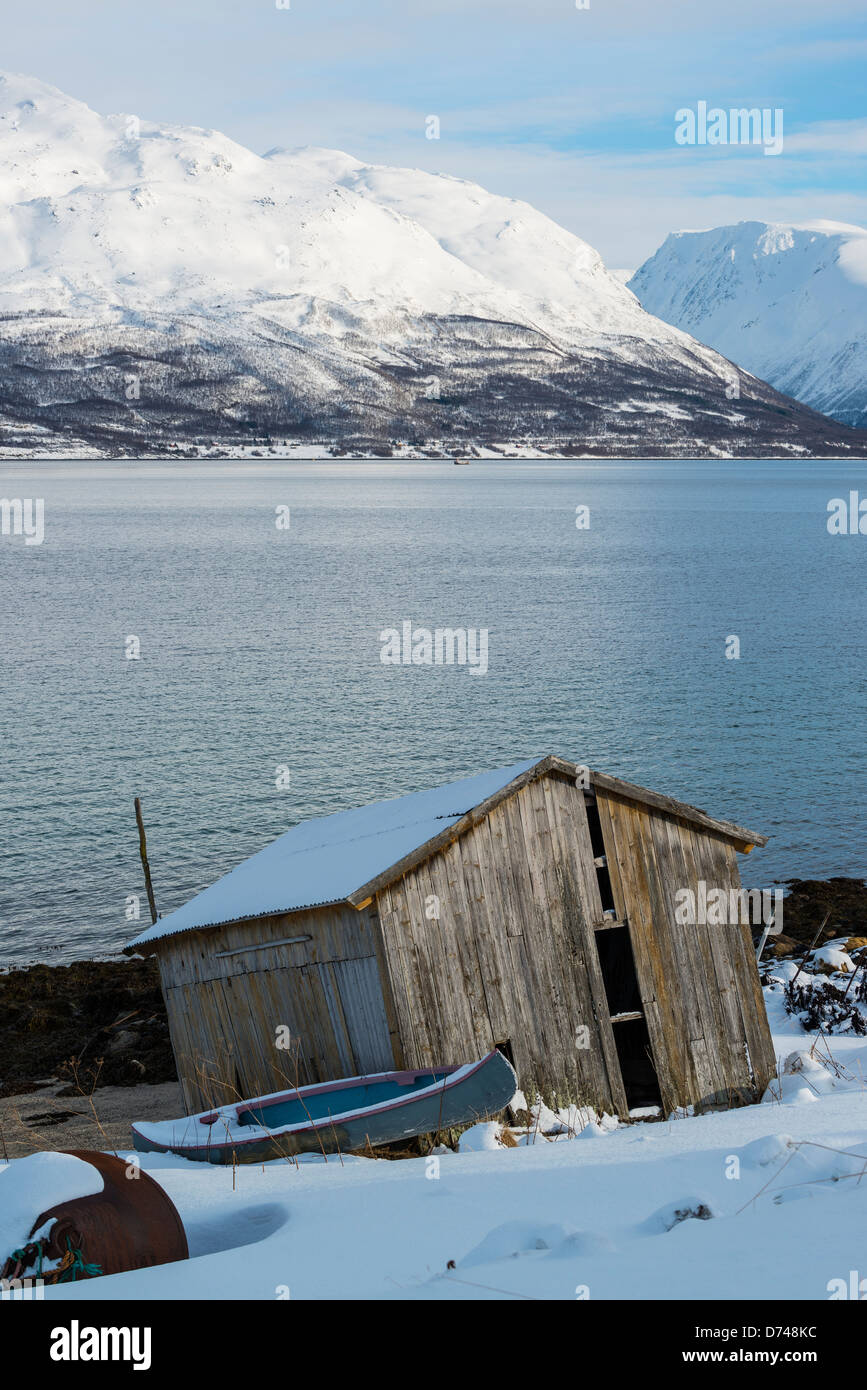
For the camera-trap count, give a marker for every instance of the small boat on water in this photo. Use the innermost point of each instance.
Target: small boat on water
(337, 1116)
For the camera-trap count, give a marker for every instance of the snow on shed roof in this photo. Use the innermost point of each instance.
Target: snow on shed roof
(324, 861)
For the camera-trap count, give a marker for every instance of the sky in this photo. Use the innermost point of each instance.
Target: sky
(573, 109)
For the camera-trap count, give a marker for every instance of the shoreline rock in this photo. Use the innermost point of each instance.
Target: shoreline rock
(86, 1025)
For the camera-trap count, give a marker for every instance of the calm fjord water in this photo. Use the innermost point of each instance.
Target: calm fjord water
(260, 649)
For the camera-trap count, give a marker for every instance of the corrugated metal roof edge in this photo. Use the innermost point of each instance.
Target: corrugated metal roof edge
(739, 835)
(229, 921)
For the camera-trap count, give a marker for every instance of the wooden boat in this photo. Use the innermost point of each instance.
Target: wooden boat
(337, 1116)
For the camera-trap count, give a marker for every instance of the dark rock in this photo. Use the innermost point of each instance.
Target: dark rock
(92, 1023)
(809, 899)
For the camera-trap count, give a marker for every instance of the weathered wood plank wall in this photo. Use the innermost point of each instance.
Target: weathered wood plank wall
(698, 982)
(511, 955)
(224, 1010)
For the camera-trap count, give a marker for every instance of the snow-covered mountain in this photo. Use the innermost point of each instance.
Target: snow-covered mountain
(787, 301)
(163, 283)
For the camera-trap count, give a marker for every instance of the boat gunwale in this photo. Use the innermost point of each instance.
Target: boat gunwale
(377, 1078)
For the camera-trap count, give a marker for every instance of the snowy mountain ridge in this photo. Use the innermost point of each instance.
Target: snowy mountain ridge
(163, 283)
(786, 301)
(127, 198)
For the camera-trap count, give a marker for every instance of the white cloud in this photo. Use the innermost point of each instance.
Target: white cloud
(830, 137)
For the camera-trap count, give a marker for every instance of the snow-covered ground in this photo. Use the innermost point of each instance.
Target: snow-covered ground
(765, 1202)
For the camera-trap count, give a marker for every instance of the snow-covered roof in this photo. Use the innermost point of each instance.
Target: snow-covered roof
(326, 860)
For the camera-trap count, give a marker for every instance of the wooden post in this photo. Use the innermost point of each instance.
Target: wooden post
(143, 851)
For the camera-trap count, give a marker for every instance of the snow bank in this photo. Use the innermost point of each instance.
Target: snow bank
(32, 1185)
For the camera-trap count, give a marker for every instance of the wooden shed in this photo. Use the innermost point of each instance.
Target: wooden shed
(537, 908)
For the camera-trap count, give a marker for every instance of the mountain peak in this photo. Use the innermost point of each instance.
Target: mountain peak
(25, 99)
(787, 300)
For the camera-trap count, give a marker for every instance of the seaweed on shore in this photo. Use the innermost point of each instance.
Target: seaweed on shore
(97, 1023)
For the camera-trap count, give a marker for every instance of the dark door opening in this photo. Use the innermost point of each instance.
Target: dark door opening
(618, 970)
(640, 1081)
(628, 1023)
(600, 857)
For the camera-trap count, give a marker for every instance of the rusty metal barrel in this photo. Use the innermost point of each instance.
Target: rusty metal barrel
(131, 1224)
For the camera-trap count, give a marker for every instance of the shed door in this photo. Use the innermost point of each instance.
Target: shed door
(353, 993)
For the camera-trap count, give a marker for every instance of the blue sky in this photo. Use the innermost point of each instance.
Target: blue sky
(572, 109)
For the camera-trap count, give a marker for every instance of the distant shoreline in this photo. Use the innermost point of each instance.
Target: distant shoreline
(80, 453)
